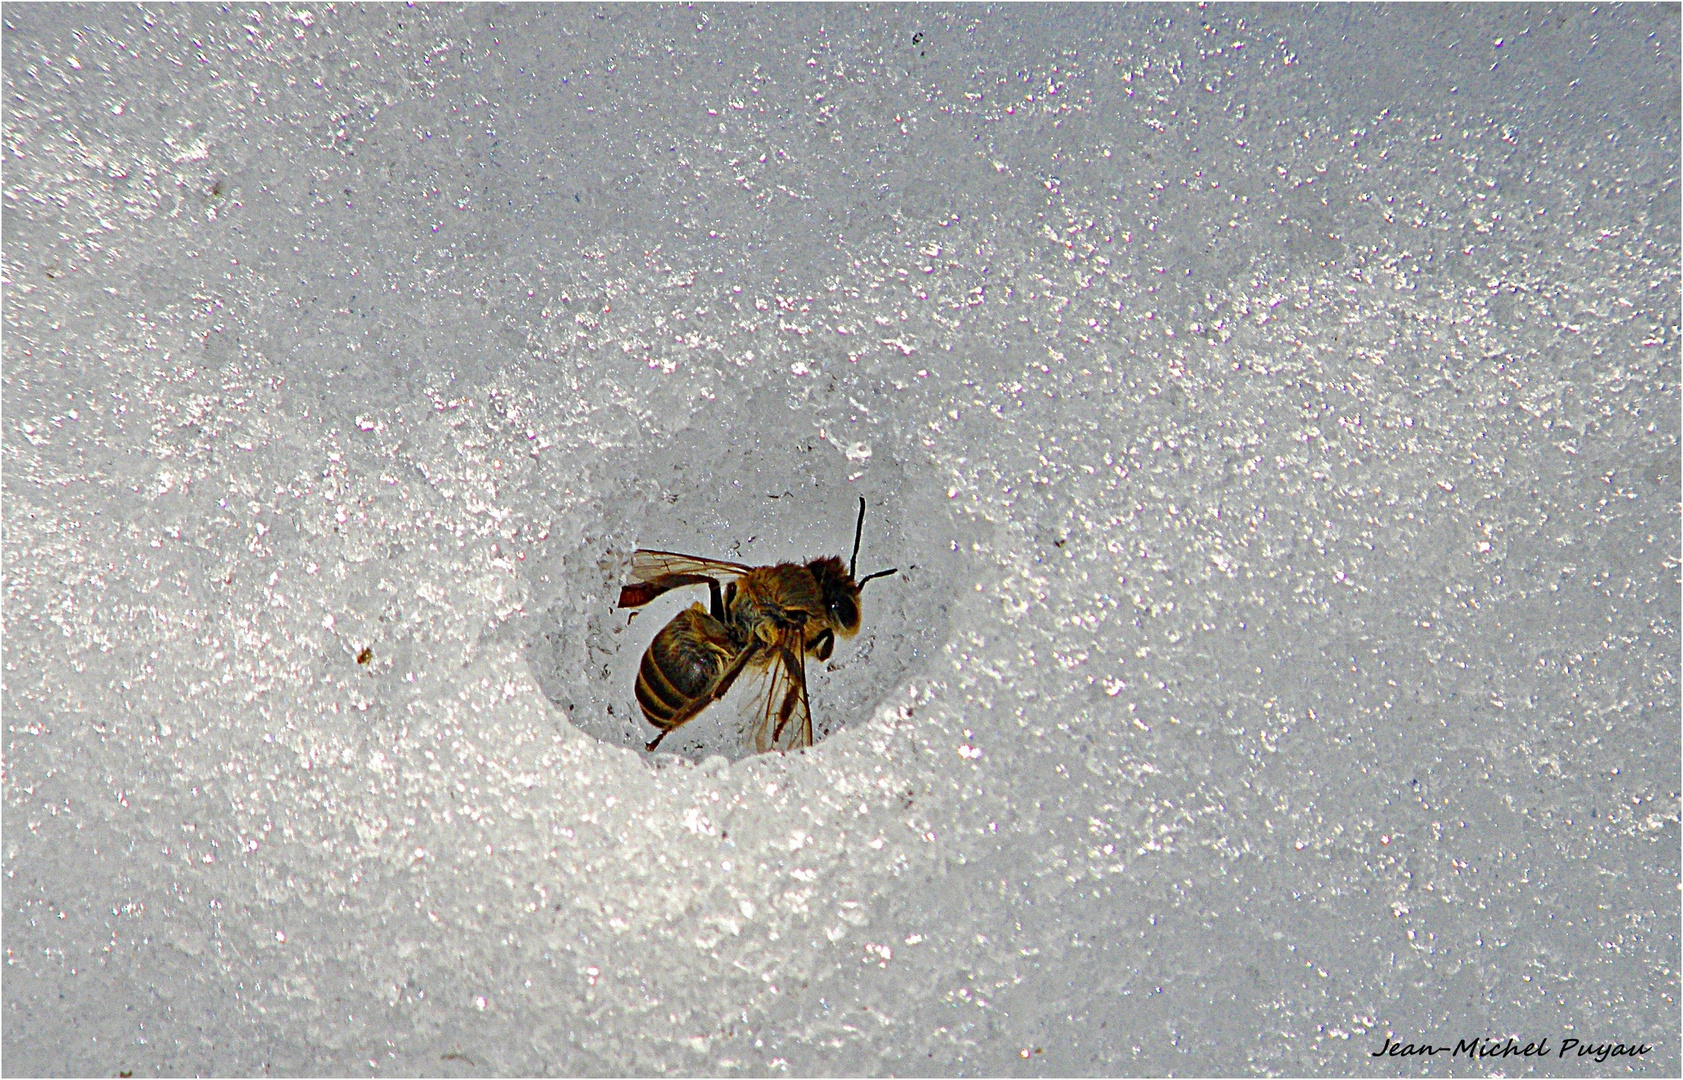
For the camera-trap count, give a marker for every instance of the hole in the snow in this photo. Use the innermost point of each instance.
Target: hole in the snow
(757, 497)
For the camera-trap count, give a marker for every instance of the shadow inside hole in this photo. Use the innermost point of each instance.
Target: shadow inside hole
(757, 498)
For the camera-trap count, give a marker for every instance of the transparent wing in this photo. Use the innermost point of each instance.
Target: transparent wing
(656, 572)
(785, 721)
(651, 566)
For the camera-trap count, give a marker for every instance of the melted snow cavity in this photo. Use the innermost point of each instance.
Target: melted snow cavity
(767, 485)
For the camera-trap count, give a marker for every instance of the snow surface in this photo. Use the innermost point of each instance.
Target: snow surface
(1279, 409)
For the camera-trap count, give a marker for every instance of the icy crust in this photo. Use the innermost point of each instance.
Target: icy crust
(1294, 664)
(762, 487)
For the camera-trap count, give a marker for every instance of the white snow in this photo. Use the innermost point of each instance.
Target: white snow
(1273, 413)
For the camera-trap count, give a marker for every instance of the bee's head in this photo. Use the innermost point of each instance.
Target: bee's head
(840, 593)
(836, 584)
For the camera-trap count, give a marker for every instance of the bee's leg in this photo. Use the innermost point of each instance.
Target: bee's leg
(729, 677)
(718, 602)
(730, 598)
(824, 644)
(795, 668)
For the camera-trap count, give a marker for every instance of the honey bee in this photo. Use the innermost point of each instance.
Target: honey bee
(764, 617)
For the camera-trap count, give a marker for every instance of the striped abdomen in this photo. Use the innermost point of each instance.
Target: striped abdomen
(681, 664)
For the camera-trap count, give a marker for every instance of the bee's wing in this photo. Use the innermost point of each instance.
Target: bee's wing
(647, 565)
(785, 716)
(656, 572)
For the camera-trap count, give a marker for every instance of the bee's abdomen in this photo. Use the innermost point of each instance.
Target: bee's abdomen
(680, 665)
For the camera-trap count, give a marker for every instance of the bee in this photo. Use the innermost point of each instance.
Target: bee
(769, 618)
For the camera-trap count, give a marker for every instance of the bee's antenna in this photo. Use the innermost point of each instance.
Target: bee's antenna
(879, 573)
(858, 531)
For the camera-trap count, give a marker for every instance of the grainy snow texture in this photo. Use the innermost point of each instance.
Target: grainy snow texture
(1274, 413)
